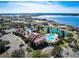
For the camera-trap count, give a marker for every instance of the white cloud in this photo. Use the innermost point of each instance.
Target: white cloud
(36, 7)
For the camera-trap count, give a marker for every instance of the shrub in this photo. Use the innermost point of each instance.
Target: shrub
(29, 49)
(69, 35)
(3, 43)
(57, 52)
(69, 40)
(36, 53)
(42, 32)
(44, 55)
(18, 53)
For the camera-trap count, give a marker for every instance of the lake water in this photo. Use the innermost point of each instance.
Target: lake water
(68, 20)
(73, 21)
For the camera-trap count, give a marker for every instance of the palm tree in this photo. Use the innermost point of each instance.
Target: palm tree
(48, 30)
(38, 29)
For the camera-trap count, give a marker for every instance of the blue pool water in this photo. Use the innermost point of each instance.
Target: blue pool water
(50, 37)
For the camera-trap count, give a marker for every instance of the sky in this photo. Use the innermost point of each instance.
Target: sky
(39, 6)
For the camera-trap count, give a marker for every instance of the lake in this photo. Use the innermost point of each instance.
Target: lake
(68, 20)
(73, 21)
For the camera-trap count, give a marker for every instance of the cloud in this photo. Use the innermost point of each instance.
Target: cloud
(36, 7)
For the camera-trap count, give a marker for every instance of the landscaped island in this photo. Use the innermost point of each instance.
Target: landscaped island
(25, 36)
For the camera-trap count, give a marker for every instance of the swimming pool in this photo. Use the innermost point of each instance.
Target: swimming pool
(51, 37)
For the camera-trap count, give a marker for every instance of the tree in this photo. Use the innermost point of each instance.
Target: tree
(38, 28)
(36, 53)
(2, 46)
(29, 49)
(69, 40)
(3, 43)
(42, 32)
(48, 30)
(18, 53)
(69, 35)
(56, 52)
